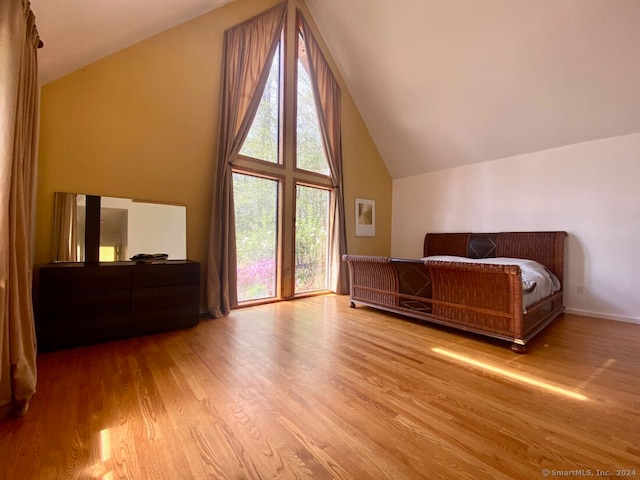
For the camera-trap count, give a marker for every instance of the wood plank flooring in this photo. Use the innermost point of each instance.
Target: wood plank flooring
(314, 389)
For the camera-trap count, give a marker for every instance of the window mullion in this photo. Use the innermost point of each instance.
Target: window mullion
(288, 120)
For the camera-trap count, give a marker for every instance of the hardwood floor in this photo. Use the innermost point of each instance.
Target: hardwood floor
(314, 389)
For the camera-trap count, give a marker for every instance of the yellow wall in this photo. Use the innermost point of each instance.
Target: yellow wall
(143, 123)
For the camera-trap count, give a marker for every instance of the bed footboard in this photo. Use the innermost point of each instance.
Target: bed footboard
(485, 298)
(373, 280)
(479, 298)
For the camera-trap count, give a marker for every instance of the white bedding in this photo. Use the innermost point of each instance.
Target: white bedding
(537, 281)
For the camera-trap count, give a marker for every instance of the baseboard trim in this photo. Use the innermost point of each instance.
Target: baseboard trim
(607, 316)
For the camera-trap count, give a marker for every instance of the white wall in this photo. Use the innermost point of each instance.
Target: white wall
(591, 190)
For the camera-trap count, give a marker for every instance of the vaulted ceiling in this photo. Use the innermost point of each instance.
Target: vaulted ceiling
(439, 83)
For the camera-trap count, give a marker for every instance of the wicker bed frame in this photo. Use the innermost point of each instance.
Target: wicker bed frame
(479, 298)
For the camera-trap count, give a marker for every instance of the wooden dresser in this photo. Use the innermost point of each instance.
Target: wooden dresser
(80, 304)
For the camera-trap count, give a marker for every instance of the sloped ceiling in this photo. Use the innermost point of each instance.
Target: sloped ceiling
(442, 83)
(439, 83)
(79, 32)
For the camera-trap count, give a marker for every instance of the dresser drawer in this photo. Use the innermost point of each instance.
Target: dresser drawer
(74, 278)
(165, 274)
(165, 308)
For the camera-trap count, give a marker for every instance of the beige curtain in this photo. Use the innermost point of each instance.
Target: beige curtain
(248, 52)
(327, 96)
(65, 227)
(19, 104)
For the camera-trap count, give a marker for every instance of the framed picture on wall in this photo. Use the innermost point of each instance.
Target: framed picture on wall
(365, 218)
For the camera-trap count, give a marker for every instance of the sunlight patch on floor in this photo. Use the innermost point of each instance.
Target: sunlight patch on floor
(510, 375)
(598, 371)
(103, 470)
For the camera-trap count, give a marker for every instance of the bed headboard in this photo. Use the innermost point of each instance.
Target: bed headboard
(546, 248)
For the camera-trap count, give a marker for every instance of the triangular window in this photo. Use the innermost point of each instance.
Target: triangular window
(310, 153)
(263, 140)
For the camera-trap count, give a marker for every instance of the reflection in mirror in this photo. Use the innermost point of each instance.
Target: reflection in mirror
(65, 246)
(126, 227)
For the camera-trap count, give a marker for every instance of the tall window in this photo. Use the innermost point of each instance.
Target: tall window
(277, 225)
(256, 213)
(283, 196)
(312, 238)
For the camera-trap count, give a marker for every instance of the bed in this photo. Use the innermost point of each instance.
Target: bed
(469, 281)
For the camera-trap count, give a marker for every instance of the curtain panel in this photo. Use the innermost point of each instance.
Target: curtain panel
(19, 107)
(327, 96)
(248, 51)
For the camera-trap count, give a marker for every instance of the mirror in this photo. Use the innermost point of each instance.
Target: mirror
(91, 228)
